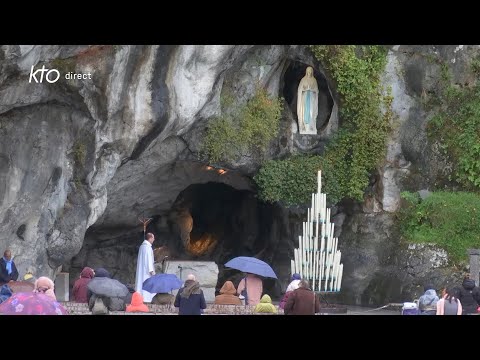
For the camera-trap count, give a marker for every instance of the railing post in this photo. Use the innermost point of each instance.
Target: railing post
(474, 265)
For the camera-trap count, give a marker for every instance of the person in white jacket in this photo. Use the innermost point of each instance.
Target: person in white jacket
(294, 283)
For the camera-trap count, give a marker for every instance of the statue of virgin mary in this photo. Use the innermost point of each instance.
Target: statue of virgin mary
(307, 103)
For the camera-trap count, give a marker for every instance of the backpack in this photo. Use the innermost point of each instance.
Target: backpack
(99, 307)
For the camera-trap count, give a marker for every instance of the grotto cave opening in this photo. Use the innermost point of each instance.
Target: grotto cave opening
(209, 221)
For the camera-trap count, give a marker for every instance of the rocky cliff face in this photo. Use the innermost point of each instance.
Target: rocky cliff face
(380, 268)
(81, 160)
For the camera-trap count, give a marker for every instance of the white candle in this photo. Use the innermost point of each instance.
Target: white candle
(340, 276)
(324, 207)
(332, 231)
(337, 274)
(327, 275)
(312, 213)
(319, 181)
(295, 260)
(309, 263)
(314, 270)
(304, 255)
(299, 252)
(322, 266)
(310, 236)
(322, 239)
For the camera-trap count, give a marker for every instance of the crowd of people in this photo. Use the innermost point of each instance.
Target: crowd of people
(299, 299)
(456, 300)
(190, 299)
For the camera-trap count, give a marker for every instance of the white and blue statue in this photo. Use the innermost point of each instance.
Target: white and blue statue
(307, 103)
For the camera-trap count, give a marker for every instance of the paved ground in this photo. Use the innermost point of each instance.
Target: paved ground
(357, 310)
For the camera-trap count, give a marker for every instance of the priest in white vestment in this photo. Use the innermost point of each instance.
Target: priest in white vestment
(145, 268)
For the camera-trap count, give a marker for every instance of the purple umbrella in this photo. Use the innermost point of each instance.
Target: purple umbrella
(162, 283)
(251, 265)
(30, 303)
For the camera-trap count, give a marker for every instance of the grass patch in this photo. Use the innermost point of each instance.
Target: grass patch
(448, 219)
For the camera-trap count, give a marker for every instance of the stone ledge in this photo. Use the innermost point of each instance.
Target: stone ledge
(212, 309)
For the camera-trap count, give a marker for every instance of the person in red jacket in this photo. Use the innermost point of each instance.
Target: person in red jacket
(137, 304)
(80, 286)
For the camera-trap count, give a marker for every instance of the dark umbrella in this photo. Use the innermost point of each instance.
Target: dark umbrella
(162, 283)
(30, 303)
(251, 265)
(103, 286)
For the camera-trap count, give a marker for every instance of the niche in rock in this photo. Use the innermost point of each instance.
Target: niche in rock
(294, 72)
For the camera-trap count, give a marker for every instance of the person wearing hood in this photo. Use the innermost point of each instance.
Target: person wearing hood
(137, 304)
(227, 295)
(45, 285)
(469, 296)
(80, 285)
(190, 299)
(8, 270)
(427, 303)
(265, 305)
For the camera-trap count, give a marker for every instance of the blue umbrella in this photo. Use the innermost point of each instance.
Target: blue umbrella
(251, 265)
(162, 283)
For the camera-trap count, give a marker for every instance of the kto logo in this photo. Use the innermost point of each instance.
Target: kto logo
(51, 78)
